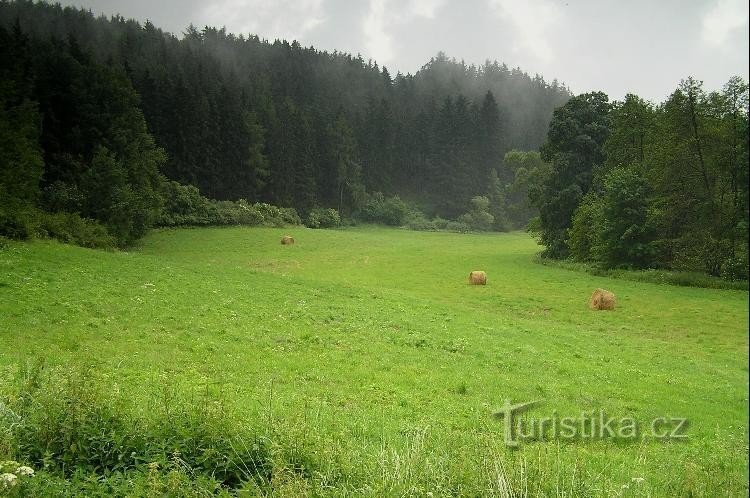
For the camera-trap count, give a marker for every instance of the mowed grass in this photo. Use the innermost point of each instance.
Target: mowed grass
(370, 351)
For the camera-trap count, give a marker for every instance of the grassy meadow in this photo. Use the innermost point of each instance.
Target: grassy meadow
(366, 365)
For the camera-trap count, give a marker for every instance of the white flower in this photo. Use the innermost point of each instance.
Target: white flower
(8, 480)
(25, 471)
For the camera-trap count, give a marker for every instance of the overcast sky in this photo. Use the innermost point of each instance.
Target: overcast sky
(641, 46)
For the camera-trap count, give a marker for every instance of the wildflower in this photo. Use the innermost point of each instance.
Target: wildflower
(25, 471)
(8, 480)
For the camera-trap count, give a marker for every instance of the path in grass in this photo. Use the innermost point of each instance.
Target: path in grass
(372, 339)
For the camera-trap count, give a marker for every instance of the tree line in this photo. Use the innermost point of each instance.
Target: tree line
(109, 126)
(97, 111)
(633, 184)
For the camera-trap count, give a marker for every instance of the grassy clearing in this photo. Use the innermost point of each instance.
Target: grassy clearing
(368, 366)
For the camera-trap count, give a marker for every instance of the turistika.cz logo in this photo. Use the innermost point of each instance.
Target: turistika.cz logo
(520, 427)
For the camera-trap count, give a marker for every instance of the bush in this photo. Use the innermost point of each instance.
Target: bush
(735, 268)
(390, 211)
(582, 235)
(417, 221)
(185, 206)
(323, 218)
(457, 226)
(17, 222)
(72, 229)
(440, 223)
(275, 216)
(699, 252)
(289, 216)
(479, 217)
(25, 222)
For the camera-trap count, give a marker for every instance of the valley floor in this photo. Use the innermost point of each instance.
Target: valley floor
(365, 356)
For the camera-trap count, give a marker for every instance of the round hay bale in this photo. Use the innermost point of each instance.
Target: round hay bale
(602, 300)
(287, 240)
(478, 277)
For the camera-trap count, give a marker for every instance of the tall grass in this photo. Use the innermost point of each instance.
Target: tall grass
(85, 438)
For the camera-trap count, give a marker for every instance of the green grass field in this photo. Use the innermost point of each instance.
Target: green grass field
(365, 353)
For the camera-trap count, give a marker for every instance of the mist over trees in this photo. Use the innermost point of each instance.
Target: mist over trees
(239, 117)
(108, 127)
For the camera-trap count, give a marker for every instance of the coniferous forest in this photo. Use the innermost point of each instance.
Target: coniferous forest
(109, 127)
(244, 118)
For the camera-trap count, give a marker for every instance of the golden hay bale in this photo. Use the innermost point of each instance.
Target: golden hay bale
(602, 300)
(287, 240)
(478, 278)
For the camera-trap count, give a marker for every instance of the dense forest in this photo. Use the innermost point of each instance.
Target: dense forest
(243, 118)
(649, 186)
(109, 127)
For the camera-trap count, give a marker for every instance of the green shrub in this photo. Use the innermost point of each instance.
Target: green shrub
(17, 222)
(24, 222)
(735, 268)
(698, 252)
(457, 226)
(417, 221)
(390, 211)
(185, 206)
(289, 216)
(582, 235)
(72, 229)
(478, 218)
(323, 218)
(440, 223)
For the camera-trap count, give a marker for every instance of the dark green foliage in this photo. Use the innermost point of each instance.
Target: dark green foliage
(17, 221)
(478, 217)
(511, 202)
(457, 226)
(387, 211)
(20, 153)
(574, 148)
(126, 202)
(28, 222)
(185, 206)
(21, 161)
(72, 229)
(350, 191)
(623, 232)
(323, 218)
(583, 234)
(418, 221)
(242, 118)
(93, 157)
(667, 188)
(79, 163)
